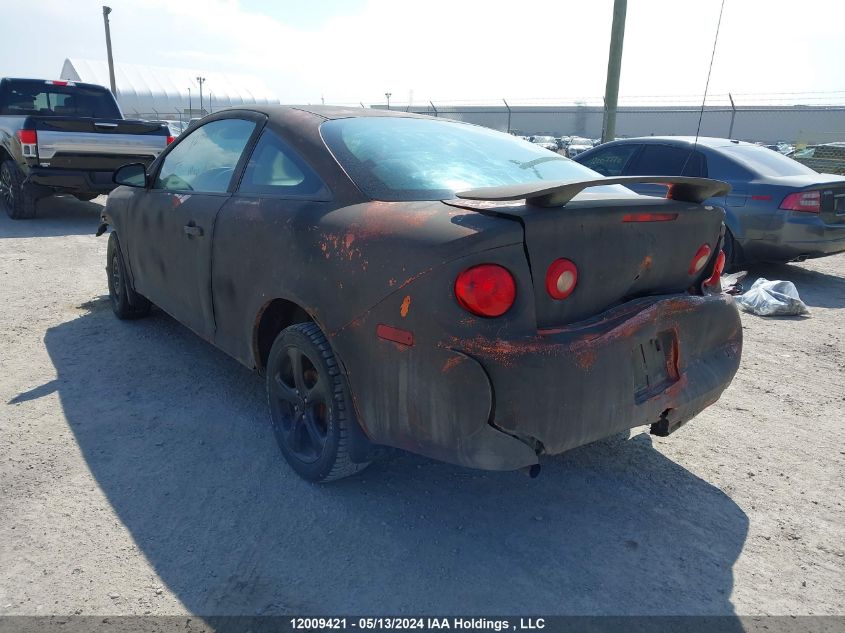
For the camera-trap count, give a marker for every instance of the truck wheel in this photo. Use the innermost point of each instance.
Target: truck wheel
(126, 303)
(310, 404)
(19, 203)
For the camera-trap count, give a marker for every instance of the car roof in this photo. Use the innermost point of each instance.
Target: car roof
(704, 141)
(327, 112)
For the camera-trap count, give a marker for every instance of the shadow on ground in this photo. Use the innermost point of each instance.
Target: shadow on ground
(176, 435)
(56, 215)
(815, 288)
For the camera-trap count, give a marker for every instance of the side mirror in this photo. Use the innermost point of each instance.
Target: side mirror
(132, 175)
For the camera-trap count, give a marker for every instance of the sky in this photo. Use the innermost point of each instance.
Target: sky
(454, 51)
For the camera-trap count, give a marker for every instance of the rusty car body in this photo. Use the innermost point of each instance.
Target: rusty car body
(429, 285)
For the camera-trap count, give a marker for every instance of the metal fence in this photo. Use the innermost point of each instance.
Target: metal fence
(805, 119)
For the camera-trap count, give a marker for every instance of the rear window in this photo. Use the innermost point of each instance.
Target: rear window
(425, 159)
(766, 162)
(41, 98)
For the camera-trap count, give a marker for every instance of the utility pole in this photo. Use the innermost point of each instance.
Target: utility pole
(201, 81)
(106, 11)
(614, 69)
(388, 95)
(190, 104)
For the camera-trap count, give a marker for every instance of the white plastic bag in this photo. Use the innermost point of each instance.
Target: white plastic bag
(770, 298)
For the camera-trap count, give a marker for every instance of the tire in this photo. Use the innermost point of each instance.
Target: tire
(310, 405)
(126, 303)
(19, 203)
(732, 251)
(85, 197)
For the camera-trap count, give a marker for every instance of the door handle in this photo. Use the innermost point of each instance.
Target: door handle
(192, 230)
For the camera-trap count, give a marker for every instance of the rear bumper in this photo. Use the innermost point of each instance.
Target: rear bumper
(802, 236)
(656, 361)
(45, 180)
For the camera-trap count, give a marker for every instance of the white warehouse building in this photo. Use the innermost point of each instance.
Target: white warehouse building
(151, 92)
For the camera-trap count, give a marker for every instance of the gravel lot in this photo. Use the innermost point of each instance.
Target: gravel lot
(138, 475)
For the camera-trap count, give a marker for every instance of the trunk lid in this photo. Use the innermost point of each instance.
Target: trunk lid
(621, 251)
(831, 186)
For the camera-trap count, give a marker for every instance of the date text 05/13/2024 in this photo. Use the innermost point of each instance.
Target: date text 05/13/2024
(420, 624)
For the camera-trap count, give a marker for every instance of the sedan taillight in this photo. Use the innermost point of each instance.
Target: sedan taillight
(487, 290)
(561, 278)
(806, 201)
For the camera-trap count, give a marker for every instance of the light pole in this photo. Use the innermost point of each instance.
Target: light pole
(106, 11)
(190, 104)
(614, 69)
(201, 81)
(388, 95)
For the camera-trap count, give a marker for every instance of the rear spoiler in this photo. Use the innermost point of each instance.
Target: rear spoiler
(558, 193)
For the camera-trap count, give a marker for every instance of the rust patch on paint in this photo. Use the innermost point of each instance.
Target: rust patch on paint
(451, 363)
(406, 305)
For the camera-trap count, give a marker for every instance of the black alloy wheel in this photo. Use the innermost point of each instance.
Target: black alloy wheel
(310, 404)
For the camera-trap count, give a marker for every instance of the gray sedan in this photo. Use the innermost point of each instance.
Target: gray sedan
(778, 210)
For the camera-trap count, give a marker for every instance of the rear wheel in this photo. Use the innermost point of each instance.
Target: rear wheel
(19, 203)
(126, 303)
(310, 405)
(731, 250)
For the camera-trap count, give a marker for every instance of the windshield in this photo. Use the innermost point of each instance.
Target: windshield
(426, 159)
(765, 162)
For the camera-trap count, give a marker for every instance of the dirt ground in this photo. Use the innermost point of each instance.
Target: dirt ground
(138, 475)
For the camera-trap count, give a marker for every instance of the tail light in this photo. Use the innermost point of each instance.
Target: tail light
(170, 139)
(487, 290)
(718, 269)
(561, 278)
(29, 143)
(702, 255)
(807, 201)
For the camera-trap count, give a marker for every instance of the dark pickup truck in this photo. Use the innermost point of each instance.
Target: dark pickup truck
(66, 137)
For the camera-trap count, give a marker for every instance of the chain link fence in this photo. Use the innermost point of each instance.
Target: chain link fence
(799, 120)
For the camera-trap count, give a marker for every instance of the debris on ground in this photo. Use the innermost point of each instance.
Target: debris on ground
(772, 298)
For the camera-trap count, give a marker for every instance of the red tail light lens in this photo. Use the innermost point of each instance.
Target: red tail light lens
(699, 260)
(487, 290)
(170, 139)
(561, 278)
(807, 201)
(717, 270)
(649, 217)
(27, 137)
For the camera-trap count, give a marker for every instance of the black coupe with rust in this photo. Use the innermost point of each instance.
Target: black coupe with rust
(430, 285)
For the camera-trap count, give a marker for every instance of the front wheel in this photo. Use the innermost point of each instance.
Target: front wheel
(310, 405)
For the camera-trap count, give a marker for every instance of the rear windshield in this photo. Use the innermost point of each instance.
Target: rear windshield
(42, 98)
(765, 162)
(426, 159)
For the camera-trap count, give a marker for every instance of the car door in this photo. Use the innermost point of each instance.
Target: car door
(172, 221)
(656, 159)
(265, 239)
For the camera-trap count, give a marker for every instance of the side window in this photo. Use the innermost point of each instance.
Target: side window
(276, 169)
(665, 160)
(205, 160)
(610, 161)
